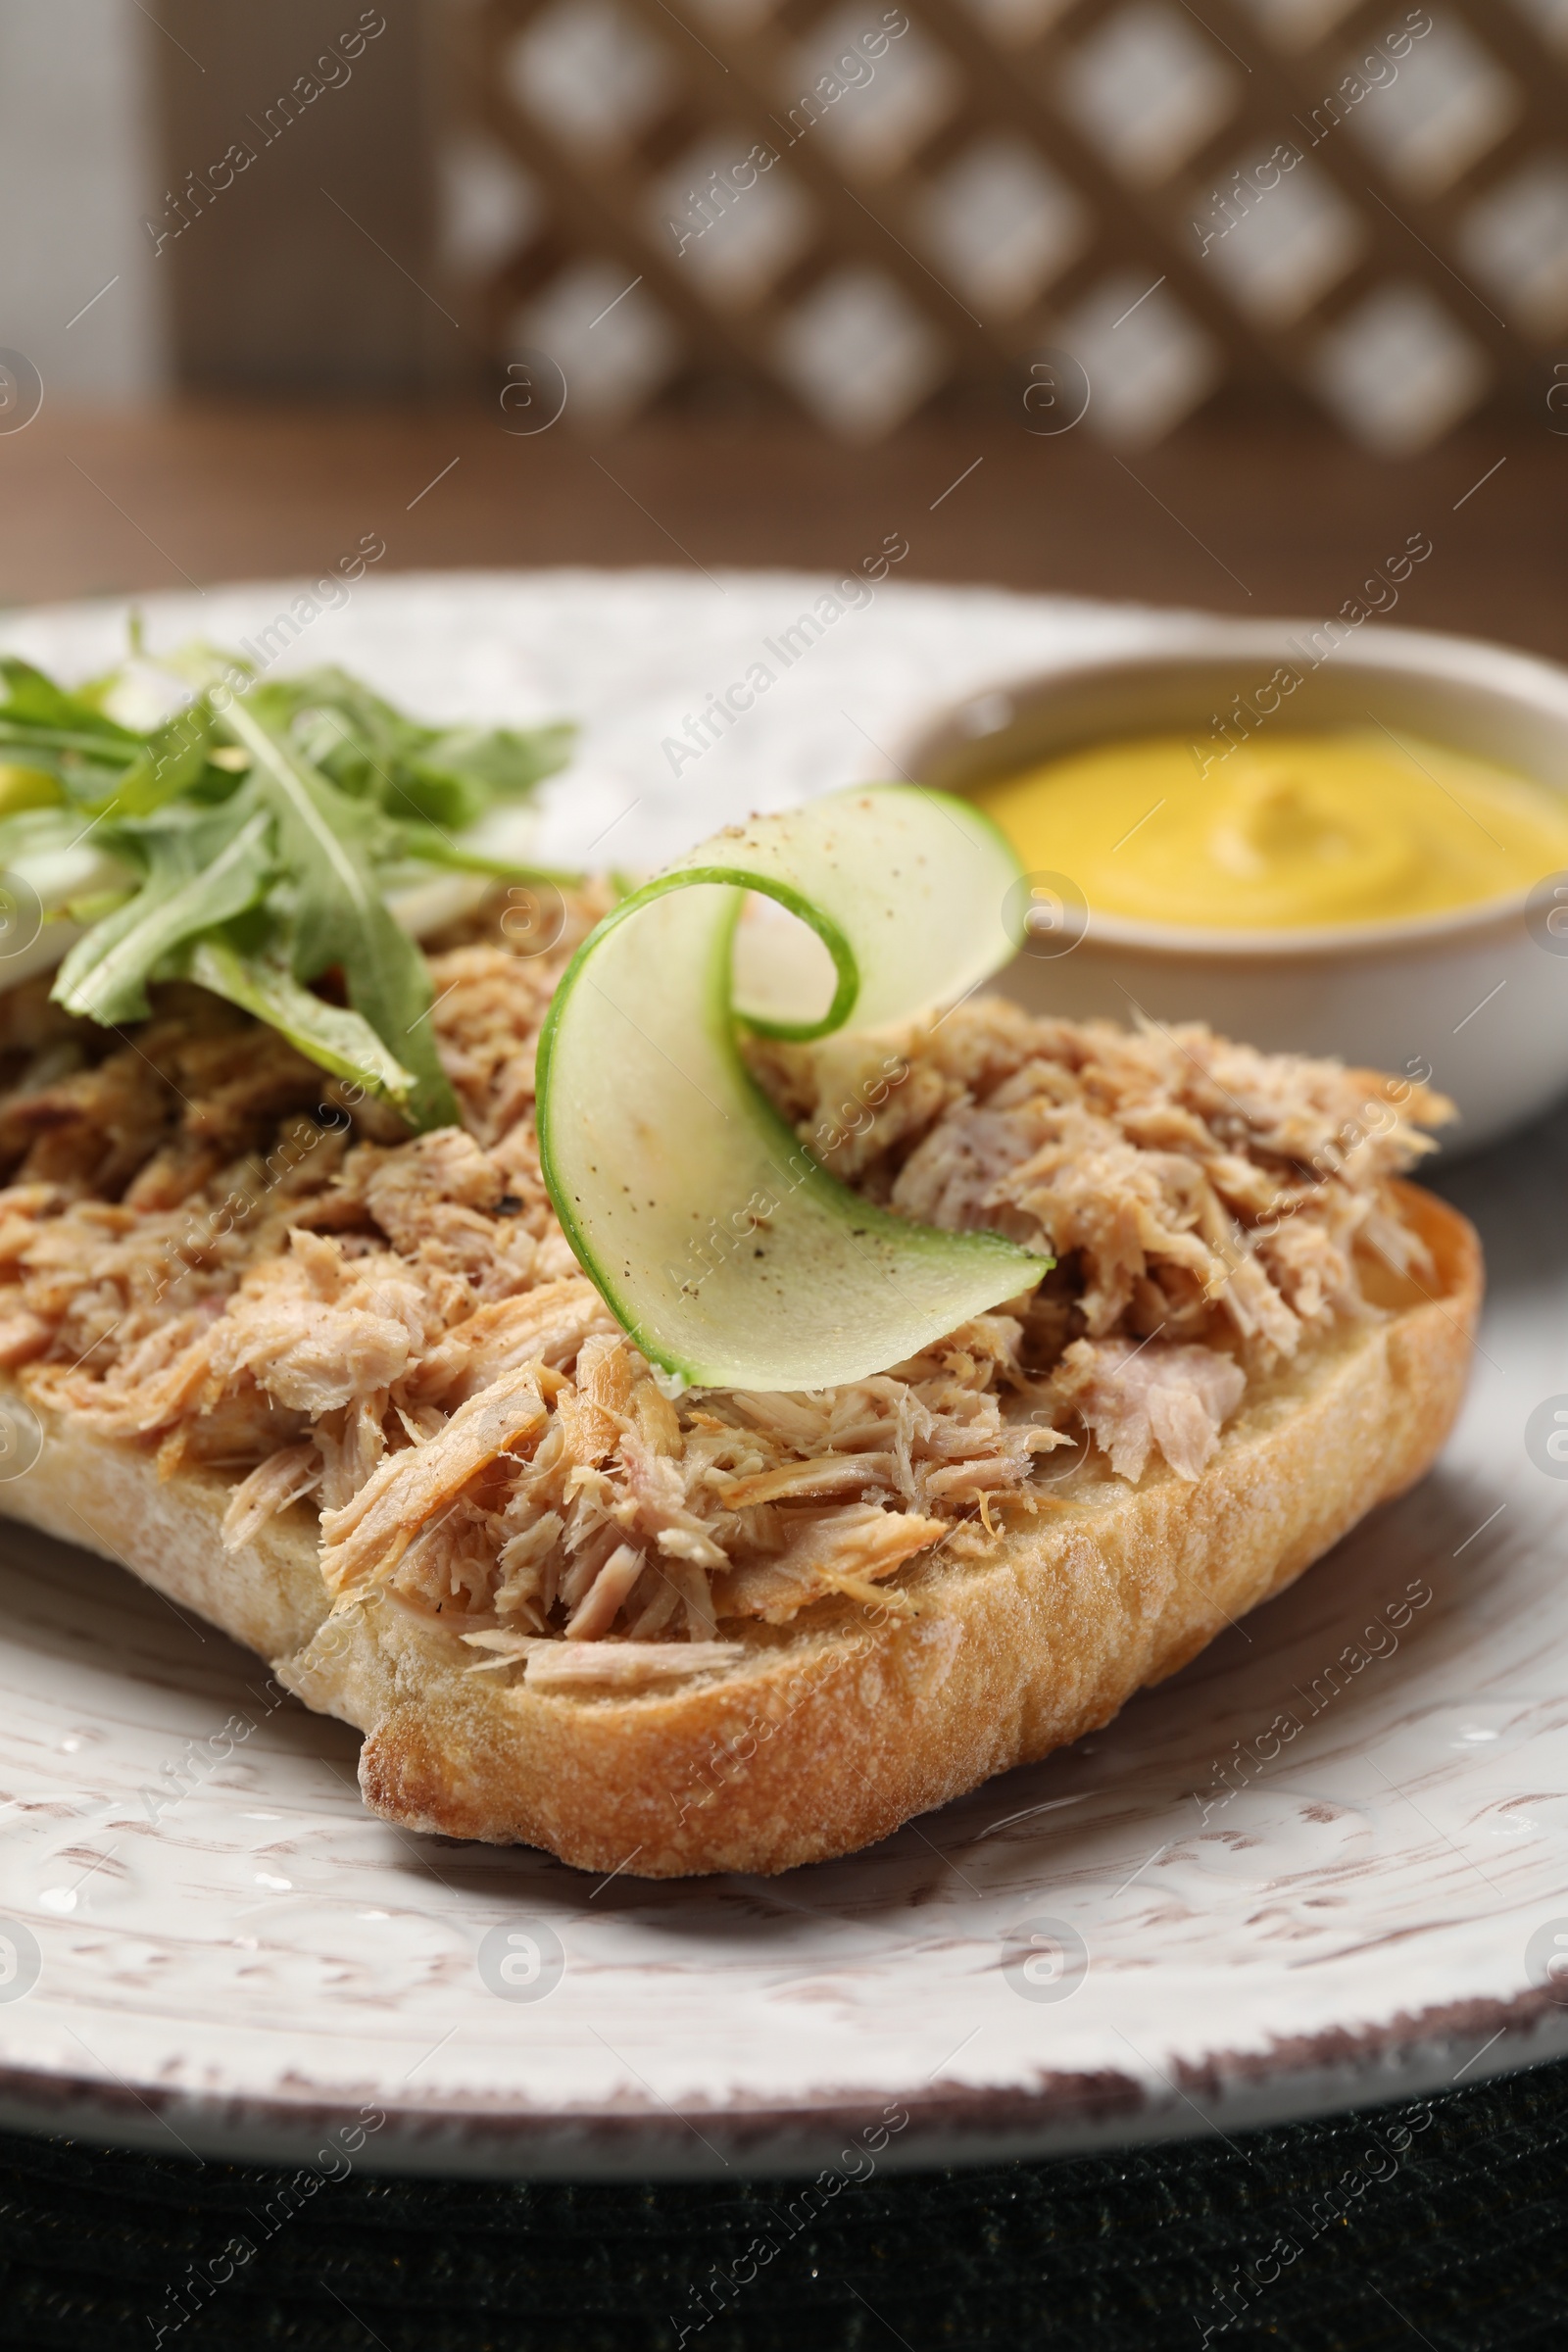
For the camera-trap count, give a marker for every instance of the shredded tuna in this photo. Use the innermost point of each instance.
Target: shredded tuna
(1133, 1397)
(282, 1480)
(842, 1551)
(626, 1665)
(622, 1665)
(206, 1251)
(363, 1540)
(1172, 1172)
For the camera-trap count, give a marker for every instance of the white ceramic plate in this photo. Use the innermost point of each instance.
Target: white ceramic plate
(1327, 1864)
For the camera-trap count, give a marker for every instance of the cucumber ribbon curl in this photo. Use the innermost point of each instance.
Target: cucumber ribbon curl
(724, 1249)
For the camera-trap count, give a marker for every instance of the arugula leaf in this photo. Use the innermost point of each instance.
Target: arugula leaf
(340, 918)
(34, 701)
(504, 763)
(249, 843)
(98, 764)
(430, 846)
(61, 734)
(171, 760)
(442, 776)
(63, 860)
(39, 832)
(333, 1035)
(198, 873)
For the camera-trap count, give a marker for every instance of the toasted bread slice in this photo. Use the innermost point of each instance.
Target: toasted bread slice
(830, 1731)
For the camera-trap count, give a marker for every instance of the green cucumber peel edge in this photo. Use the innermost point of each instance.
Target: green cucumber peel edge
(1000, 1267)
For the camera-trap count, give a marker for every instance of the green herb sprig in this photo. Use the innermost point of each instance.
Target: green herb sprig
(249, 841)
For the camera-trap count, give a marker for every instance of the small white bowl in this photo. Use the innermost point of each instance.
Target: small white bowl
(1479, 997)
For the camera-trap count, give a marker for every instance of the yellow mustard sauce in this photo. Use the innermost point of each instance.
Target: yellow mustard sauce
(1343, 827)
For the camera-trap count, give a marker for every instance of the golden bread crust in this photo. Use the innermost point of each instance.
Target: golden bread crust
(835, 1729)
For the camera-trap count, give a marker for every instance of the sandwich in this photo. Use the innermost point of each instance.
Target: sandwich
(690, 1375)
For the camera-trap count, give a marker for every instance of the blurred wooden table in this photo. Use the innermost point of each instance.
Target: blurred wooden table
(1231, 516)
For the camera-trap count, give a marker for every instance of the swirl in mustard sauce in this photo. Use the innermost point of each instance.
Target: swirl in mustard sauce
(1346, 827)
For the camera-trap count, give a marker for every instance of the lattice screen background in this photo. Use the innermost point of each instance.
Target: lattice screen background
(1000, 178)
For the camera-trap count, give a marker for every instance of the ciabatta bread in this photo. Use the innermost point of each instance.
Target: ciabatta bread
(825, 1733)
